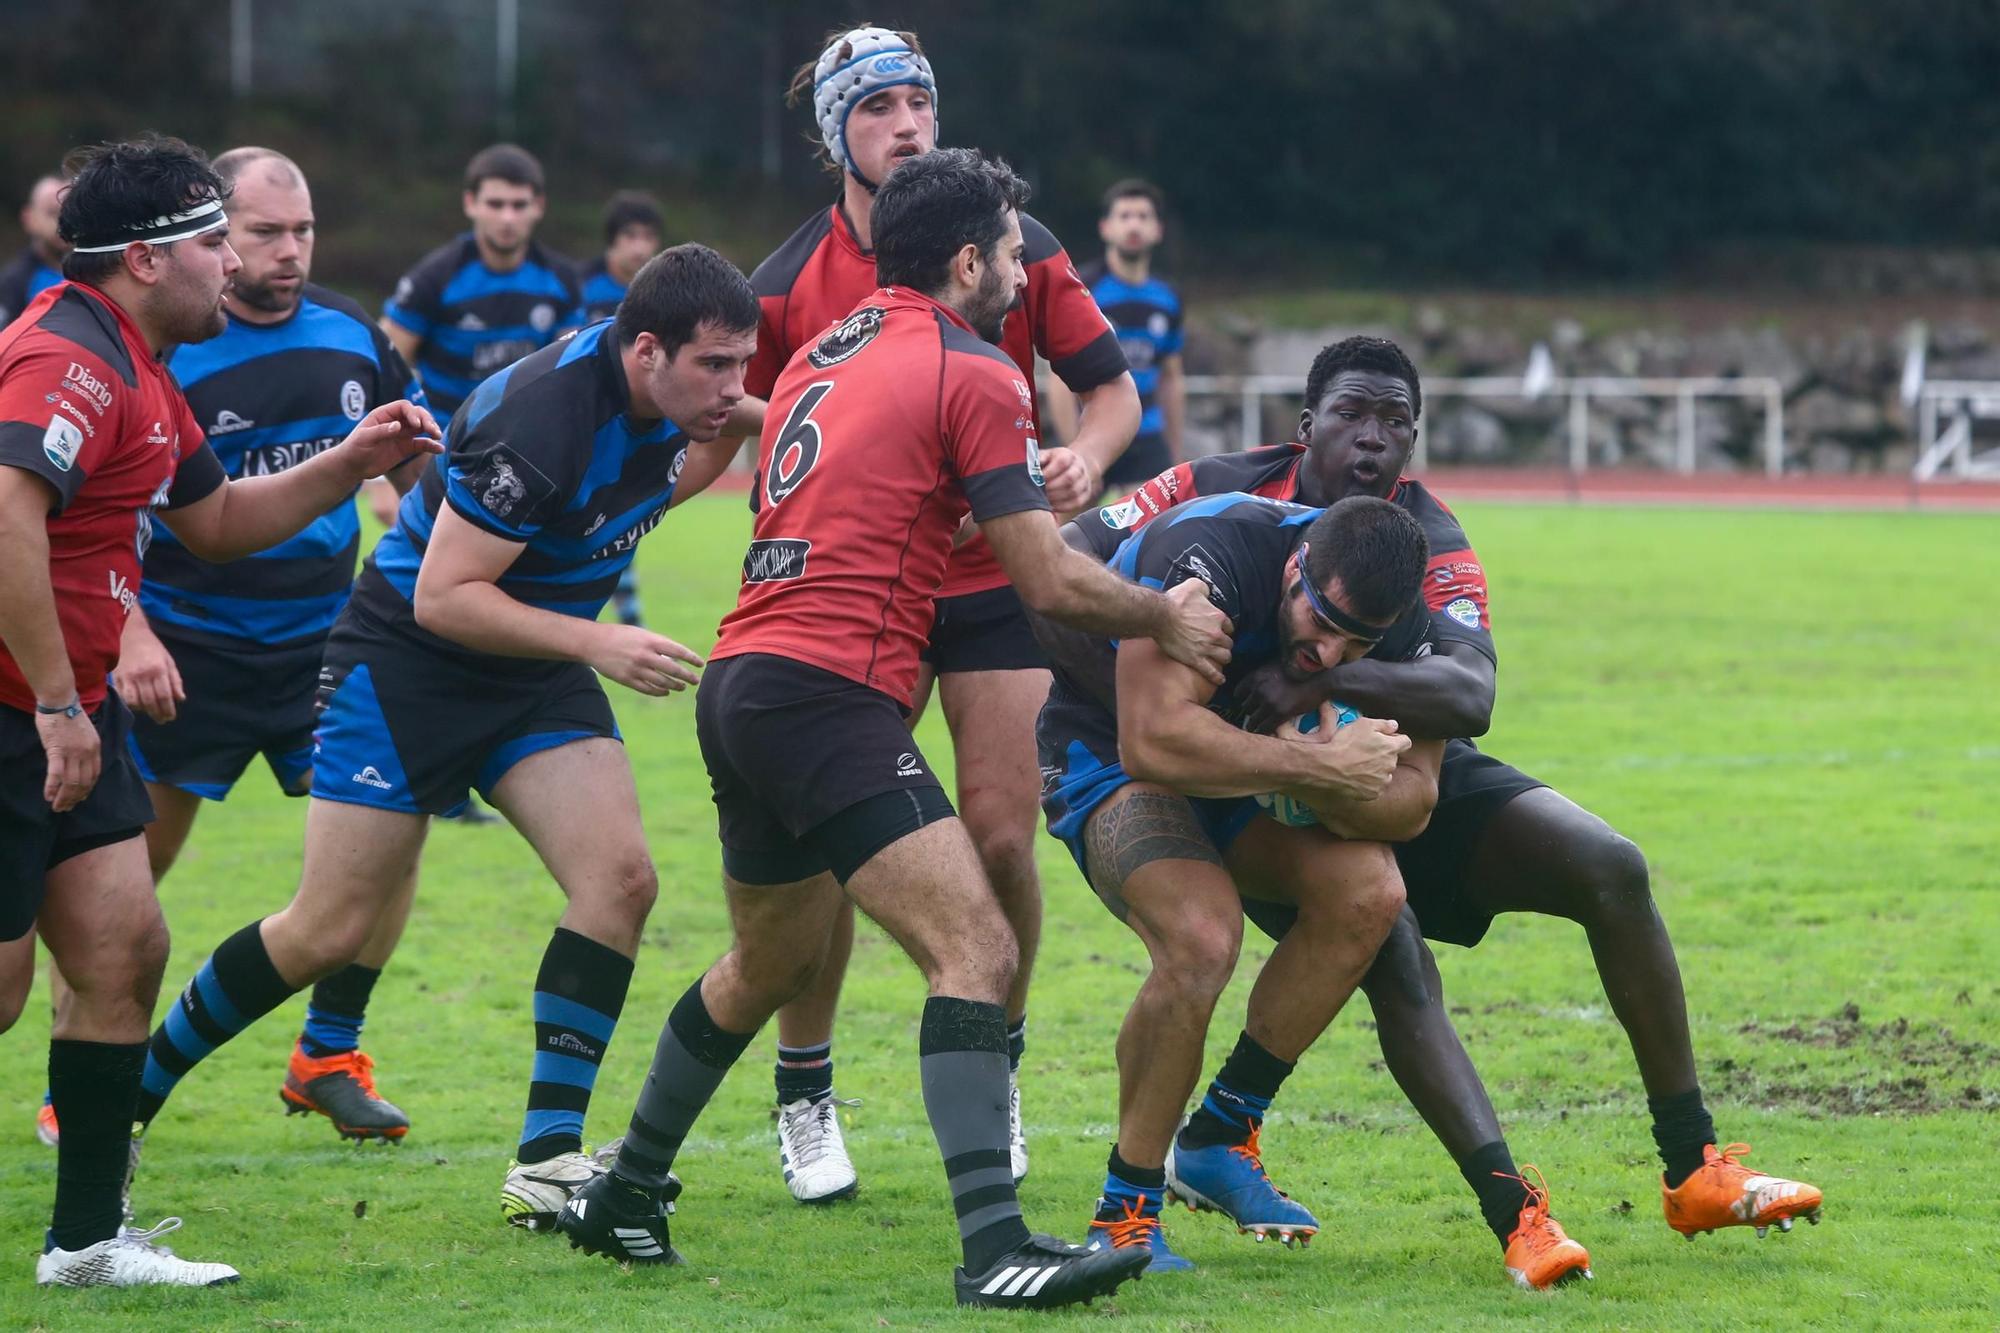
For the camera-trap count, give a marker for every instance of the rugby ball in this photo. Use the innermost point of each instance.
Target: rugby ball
(1282, 807)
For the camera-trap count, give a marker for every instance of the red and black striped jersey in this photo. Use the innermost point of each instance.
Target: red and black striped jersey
(1454, 582)
(880, 436)
(817, 277)
(88, 408)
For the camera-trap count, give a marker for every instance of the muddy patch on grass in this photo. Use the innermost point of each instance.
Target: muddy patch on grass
(1842, 1065)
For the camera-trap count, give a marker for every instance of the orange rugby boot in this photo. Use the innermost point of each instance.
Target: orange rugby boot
(1540, 1253)
(47, 1132)
(1725, 1193)
(341, 1088)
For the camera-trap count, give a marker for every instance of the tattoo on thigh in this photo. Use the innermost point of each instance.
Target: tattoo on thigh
(1143, 828)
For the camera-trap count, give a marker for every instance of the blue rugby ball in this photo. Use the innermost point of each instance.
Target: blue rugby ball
(1282, 807)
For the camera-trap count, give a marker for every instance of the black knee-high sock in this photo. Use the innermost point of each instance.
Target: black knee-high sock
(1491, 1172)
(237, 986)
(335, 1013)
(579, 993)
(94, 1087)
(688, 1066)
(1682, 1128)
(1237, 1100)
(963, 1049)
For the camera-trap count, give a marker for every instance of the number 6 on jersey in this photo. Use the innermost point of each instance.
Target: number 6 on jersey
(797, 449)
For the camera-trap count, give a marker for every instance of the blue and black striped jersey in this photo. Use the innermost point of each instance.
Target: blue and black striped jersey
(544, 454)
(24, 278)
(473, 321)
(270, 396)
(1147, 317)
(601, 291)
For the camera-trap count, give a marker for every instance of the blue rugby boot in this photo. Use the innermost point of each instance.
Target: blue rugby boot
(1229, 1178)
(1121, 1224)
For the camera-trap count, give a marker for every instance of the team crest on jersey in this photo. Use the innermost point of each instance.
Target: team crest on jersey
(846, 338)
(542, 318)
(1464, 610)
(1158, 324)
(353, 400)
(61, 442)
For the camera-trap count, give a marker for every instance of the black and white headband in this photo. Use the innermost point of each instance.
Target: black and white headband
(203, 217)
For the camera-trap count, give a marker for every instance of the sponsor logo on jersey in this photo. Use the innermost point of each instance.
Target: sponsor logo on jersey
(630, 537)
(82, 417)
(404, 289)
(1035, 460)
(227, 421)
(1196, 563)
(1124, 514)
(542, 318)
(674, 472)
(79, 379)
(489, 357)
(122, 592)
(370, 777)
(61, 442)
(277, 457)
(1026, 394)
(353, 400)
(775, 559)
(907, 766)
(846, 338)
(157, 435)
(1465, 611)
(471, 323)
(1158, 324)
(595, 524)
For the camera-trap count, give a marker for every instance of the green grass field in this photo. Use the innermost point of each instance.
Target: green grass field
(1794, 714)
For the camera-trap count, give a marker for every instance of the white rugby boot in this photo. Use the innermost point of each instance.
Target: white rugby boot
(535, 1192)
(129, 1259)
(812, 1153)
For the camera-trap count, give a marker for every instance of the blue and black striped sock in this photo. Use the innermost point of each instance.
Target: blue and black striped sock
(336, 1011)
(1238, 1099)
(578, 994)
(232, 990)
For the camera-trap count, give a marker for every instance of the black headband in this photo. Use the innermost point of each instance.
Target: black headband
(1351, 626)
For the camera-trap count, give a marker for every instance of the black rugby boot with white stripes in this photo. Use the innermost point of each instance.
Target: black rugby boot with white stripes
(619, 1220)
(1045, 1272)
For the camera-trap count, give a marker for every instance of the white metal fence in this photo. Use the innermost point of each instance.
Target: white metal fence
(1576, 393)
(1948, 411)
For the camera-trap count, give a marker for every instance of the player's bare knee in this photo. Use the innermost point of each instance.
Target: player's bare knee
(1401, 977)
(1611, 879)
(1197, 959)
(635, 887)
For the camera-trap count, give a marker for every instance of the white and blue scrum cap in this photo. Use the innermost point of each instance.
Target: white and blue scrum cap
(854, 67)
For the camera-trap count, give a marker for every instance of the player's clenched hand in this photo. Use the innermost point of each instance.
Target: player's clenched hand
(1357, 760)
(1070, 480)
(1197, 633)
(72, 748)
(1270, 698)
(148, 679)
(644, 661)
(390, 435)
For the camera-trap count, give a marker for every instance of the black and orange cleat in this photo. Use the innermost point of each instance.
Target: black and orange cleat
(341, 1088)
(1725, 1193)
(1540, 1253)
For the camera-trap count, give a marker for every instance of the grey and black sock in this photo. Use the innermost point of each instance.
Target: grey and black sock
(963, 1044)
(688, 1066)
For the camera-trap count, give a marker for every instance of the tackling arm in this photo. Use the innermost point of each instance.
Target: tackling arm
(1448, 693)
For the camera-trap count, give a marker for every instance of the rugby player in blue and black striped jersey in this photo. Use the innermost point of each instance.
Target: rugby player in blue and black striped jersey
(469, 657)
(221, 661)
(490, 296)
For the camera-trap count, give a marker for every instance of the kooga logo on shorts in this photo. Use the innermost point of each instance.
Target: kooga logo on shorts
(775, 559)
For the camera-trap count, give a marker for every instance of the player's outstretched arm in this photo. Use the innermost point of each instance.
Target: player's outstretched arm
(1445, 694)
(1400, 813)
(1166, 734)
(1073, 589)
(252, 514)
(457, 599)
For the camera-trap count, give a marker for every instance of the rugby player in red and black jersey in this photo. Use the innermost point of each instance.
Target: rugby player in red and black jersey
(896, 424)
(96, 438)
(875, 101)
(1498, 841)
